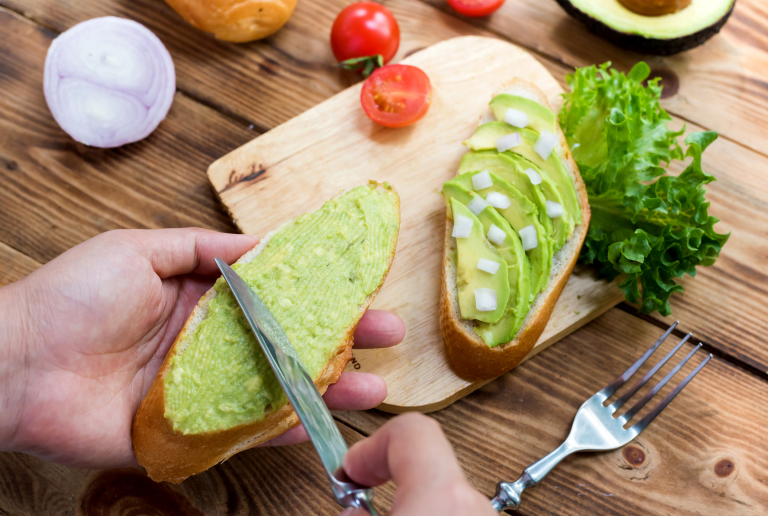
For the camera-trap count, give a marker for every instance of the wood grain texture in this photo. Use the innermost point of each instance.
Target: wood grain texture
(703, 455)
(721, 85)
(334, 146)
(57, 193)
(263, 481)
(264, 82)
(15, 265)
(271, 81)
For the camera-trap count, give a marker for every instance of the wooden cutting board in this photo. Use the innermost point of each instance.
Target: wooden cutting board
(297, 166)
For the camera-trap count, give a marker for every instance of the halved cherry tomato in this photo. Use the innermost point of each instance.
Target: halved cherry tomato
(476, 8)
(365, 29)
(396, 95)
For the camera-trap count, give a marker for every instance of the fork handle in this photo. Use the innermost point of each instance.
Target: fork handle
(508, 494)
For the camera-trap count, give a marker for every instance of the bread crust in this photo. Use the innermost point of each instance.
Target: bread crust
(471, 358)
(170, 456)
(236, 20)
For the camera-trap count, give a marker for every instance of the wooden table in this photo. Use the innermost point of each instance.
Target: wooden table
(706, 455)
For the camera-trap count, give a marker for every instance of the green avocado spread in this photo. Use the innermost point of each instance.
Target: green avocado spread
(530, 211)
(313, 275)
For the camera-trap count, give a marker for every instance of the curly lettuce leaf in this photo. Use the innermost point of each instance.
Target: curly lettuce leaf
(647, 225)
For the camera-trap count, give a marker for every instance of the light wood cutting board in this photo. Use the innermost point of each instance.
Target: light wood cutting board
(297, 166)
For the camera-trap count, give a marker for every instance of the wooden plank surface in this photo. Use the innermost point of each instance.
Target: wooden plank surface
(703, 455)
(265, 82)
(57, 193)
(296, 68)
(726, 76)
(269, 82)
(258, 82)
(263, 481)
(297, 166)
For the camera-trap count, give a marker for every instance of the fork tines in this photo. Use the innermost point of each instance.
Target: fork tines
(618, 382)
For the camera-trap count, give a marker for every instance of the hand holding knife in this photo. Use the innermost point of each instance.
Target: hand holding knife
(301, 392)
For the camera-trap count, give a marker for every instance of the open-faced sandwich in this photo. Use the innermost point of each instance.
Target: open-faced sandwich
(215, 394)
(517, 217)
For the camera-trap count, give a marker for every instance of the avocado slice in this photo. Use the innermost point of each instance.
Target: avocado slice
(469, 278)
(562, 227)
(485, 138)
(504, 167)
(539, 117)
(520, 213)
(659, 35)
(518, 270)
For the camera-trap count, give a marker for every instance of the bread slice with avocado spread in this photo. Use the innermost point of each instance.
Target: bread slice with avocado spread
(215, 394)
(517, 215)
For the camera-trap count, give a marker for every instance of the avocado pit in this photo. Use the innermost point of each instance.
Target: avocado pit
(655, 7)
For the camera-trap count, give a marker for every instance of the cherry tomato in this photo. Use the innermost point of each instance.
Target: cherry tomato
(365, 29)
(396, 95)
(476, 8)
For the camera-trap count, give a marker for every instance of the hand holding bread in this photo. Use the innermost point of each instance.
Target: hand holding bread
(84, 336)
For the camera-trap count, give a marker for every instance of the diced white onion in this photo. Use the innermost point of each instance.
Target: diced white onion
(487, 265)
(528, 236)
(477, 204)
(498, 200)
(545, 144)
(485, 299)
(482, 180)
(496, 235)
(533, 176)
(462, 226)
(554, 209)
(509, 141)
(575, 146)
(516, 118)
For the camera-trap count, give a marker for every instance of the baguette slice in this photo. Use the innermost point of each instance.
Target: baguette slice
(471, 358)
(171, 456)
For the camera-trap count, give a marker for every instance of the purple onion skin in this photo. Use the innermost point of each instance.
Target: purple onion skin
(108, 81)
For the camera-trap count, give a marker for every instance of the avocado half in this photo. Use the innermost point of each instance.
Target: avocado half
(658, 35)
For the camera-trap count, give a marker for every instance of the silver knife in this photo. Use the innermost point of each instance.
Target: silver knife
(301, 392)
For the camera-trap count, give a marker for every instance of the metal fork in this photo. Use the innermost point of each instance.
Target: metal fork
(595, 428)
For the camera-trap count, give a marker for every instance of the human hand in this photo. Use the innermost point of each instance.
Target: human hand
(412, 451)
(83, 337)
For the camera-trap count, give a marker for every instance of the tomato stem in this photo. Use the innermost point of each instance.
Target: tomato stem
(365, 64)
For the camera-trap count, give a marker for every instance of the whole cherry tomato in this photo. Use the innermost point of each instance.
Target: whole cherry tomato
(365, 29)
(396, 95)
(476, 8)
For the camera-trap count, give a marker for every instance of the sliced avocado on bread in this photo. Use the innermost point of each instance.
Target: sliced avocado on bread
(520, 177)
(215, 394)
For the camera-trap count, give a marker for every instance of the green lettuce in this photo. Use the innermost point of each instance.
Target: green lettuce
(647, 226)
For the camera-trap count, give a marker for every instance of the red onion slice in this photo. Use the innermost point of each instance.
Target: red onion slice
(108, 81)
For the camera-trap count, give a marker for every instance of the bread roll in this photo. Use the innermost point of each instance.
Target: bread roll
(236, 20)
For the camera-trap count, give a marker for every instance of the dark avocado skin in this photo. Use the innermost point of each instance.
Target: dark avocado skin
(641, 44)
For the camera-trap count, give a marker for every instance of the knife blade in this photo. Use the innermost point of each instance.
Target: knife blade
(300, 390)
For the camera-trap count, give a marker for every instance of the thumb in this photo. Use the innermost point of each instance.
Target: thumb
(186, 250)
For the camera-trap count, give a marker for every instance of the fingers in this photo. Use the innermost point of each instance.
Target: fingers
(295, 435)
(356, 391)
(379, 329)
(410, 449)
(187, 250)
